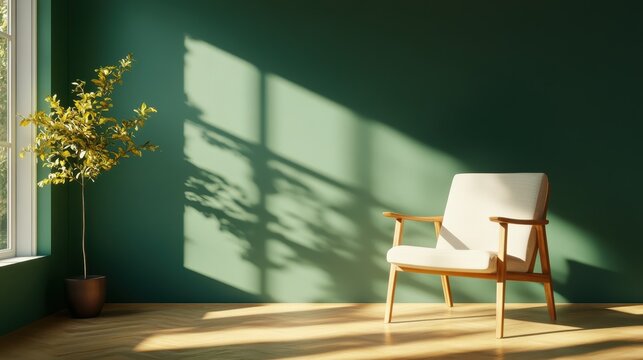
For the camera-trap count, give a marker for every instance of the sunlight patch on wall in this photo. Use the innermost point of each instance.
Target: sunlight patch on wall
(338, 172)
(316, 143)
(219, 187)
(314, 238)
(308, 129)
(217, 191)
(220, 259)
(222, 88)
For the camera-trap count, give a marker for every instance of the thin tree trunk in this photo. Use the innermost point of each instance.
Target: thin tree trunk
(82, 196)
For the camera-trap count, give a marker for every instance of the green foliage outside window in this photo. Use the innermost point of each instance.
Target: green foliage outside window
(3, 127)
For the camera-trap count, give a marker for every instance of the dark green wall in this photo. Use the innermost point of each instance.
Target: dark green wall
(34, 288)
(286, 127)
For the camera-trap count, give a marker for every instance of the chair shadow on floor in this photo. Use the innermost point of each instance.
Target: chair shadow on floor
(583, 315)
(579, 317)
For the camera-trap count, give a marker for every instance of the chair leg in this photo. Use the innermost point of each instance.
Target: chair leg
(390, 296)
(501, 282)
(446, 289)
(546, 269)
(500, 308)
(549, 295)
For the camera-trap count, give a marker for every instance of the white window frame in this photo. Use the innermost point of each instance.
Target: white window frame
(21, 179)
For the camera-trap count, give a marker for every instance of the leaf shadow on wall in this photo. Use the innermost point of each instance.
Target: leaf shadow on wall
(307, 233)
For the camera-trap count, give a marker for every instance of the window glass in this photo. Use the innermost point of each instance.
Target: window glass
(4, 14)
(3, 88)
(4, 116)
(3, 199)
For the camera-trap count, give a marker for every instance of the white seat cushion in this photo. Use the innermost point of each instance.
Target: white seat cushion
(478, 261)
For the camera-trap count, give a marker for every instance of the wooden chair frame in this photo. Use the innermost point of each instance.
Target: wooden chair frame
(501, 275)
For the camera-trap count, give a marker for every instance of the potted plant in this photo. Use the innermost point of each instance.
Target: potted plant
(80, 142)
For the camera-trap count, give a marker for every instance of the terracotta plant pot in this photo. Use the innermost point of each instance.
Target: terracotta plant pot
(85, 297)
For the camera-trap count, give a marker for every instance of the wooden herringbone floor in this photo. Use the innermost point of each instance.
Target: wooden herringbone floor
(332, 331)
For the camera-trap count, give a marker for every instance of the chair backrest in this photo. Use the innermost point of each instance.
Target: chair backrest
(474, 198)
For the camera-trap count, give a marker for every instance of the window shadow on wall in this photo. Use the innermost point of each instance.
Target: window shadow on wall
(286, 231)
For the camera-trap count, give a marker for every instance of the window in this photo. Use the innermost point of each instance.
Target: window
(5, 131)
(17, 95)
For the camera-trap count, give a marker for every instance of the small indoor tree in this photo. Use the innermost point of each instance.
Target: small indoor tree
(80, 142)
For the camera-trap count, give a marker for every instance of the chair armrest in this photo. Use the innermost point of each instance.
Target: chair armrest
(412, 217)
(504, 220)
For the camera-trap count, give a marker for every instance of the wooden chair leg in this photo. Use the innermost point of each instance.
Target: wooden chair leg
(546, 269)
(390, 296)
(501, 282)
(549, 295)
(500, 308)
(446, 289)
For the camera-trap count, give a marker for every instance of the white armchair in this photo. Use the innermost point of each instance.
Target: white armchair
(475, 239)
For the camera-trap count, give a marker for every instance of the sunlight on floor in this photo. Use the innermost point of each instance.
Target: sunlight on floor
(630, 309)
(353, 331)
(262, 309)
(333, 331)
